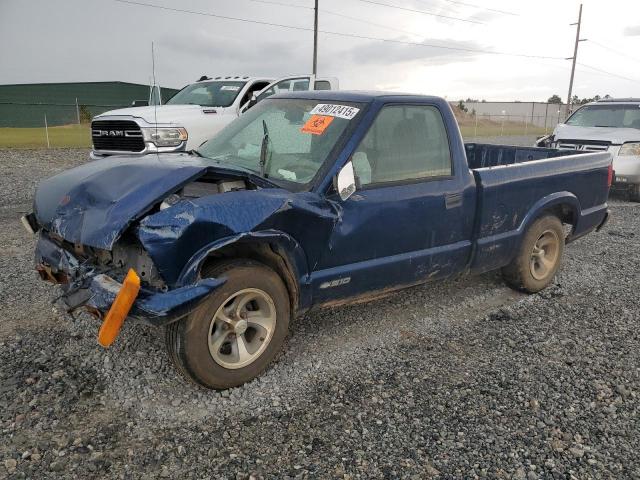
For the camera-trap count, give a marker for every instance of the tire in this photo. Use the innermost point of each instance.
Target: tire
(634, 193)
(539, 256)
(206, 346)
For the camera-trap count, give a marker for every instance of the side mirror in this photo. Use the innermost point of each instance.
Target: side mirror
(345, 182)
(252, 101)
(140, 103)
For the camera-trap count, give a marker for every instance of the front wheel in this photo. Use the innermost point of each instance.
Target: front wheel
(539, 256)
(234, 335)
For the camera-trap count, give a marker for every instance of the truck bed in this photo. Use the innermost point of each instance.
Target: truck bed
(480, 155)
(513, 183)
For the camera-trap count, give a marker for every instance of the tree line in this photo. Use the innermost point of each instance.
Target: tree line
(575, 100)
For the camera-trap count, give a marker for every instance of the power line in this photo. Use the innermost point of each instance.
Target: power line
(504, 12)
(269, 2)
(454, 2)
(380, 25)
(397, 7)
(475, 50)
(613, 50)
(604, 72)
(462, 49)
(214, 15)
(341, 34)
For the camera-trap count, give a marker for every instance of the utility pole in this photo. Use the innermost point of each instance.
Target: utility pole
(574, 58)
(315, 39)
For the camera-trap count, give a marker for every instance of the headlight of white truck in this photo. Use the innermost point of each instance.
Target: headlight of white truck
(629, 149)
(165, 136)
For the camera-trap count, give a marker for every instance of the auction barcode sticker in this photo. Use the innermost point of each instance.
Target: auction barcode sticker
(332, 110)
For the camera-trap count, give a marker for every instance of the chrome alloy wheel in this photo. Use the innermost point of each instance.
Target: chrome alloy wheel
(242, 328)
(544, 255)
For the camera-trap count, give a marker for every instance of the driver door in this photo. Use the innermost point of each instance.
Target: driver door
(410, 218)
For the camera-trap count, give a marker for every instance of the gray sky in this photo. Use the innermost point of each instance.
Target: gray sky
(95, 40)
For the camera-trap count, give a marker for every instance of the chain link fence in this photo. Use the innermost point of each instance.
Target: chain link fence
(476, 127)
(48, 125)
(64, 125)
(56, 115)
(518, 123)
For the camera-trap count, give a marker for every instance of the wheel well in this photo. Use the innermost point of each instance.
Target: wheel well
(566, 213)
(270, 255)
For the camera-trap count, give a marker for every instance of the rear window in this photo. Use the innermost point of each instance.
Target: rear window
(322, 85)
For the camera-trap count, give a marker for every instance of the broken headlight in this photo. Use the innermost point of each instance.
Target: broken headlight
(127, 255)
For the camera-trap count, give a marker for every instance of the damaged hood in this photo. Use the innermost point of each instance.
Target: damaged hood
(94, 203)
(192, 228)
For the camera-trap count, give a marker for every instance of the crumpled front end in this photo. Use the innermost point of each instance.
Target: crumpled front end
(162, 218)
(89, 279)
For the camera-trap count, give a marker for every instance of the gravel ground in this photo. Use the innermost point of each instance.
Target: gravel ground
(463, 379)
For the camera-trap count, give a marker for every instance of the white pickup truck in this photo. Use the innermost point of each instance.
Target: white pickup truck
(194, 114)
(612, 125)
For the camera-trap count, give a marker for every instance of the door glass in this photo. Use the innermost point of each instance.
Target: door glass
(256, 87)
(405, 142)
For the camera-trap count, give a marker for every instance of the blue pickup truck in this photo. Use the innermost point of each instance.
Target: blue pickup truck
(309, 199)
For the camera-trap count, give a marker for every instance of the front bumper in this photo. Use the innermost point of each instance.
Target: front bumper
(86, 286)
(152, 308)
(149, 147)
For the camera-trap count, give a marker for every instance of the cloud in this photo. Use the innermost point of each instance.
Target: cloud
(485, 16)
(387, 53)
(227, 54)
(632, 31)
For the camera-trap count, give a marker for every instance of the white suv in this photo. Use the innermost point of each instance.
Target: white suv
(606, 125)
(193, 115)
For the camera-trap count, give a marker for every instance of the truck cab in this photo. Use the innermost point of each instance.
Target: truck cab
(192, 116)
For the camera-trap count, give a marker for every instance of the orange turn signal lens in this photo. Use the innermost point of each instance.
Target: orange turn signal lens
(119, 309)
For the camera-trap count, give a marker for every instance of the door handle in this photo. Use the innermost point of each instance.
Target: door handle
(452, 200)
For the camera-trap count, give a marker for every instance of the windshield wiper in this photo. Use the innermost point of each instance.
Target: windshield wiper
(264, 150)
(195, 152)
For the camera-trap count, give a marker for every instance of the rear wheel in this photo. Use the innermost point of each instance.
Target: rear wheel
(233, 336)
(634, 193)
(539, 257)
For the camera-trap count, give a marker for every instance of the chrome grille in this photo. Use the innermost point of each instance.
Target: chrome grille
(584, 145)
(116, 136)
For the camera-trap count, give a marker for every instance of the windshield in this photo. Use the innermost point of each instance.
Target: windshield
(208, 94)
(282, 139)
(615, 116)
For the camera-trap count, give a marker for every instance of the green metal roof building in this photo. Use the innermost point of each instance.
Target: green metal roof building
(26, 105)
